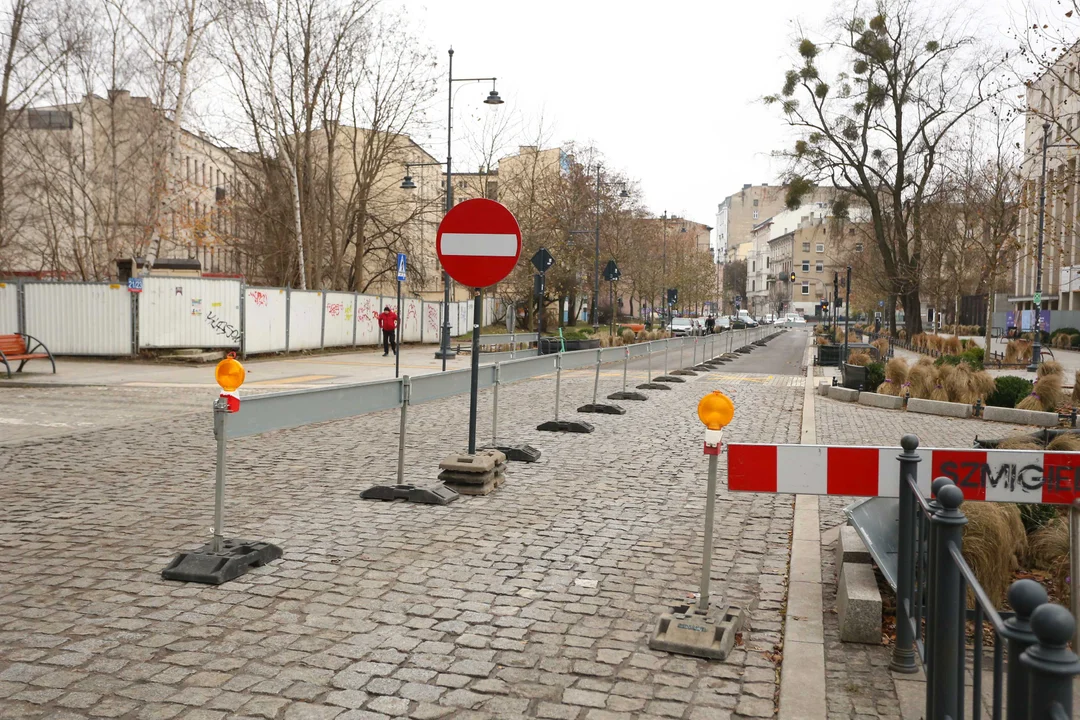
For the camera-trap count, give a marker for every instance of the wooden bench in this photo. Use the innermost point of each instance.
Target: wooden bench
(17, 347)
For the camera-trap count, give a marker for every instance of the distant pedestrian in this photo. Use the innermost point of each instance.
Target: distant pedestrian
(388, 324)
(710, 325)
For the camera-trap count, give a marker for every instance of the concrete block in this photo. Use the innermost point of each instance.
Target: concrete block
(889, 402)
(481, 462)
(843, 394)
(850, 548)
(1020, 417)
(858, 605)
(823, 387)
(937, 407)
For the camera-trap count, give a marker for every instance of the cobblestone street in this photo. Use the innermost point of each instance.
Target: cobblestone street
(536, 601)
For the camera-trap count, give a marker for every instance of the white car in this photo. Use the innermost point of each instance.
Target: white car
(794, 319)
(684, 326)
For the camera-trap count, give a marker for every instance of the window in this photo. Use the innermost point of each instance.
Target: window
(806, 288)
(767, 262)
(753, 285)
(58, 120)
(820, 247)
(755, 203)
(858, 247)
(755, 213)
(806, 266)
(806, 247)
(819, 266)
(753, 266)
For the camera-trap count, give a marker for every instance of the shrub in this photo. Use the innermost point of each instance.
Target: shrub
(875, 375)
(1035, 516)
(1064, 331)
(1009, 390)
(973, 356)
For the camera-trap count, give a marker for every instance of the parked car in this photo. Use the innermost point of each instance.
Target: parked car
(723, 323)
(794, 319)
(685, 326)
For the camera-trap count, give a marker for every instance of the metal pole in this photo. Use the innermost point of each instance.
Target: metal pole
(648, 355)
(903, 657)
(1050, 664)
(558, 383)
(478, 317)
(706, 558)
(221, 409)
(596, 380)
(625, 362)
(397, 339)
(444, 348)
(405, 390)
(1036, 348)
(847, 311)
(682, 344)
(596, 259)
(666, 341)
(663, 291)
(948, 604)
(495, 407)
(1074, 564)
(540, 315)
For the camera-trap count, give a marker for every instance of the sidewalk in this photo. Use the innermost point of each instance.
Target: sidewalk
(284, 372)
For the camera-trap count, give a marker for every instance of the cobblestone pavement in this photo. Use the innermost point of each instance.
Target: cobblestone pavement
(857, 678)
(536, 601)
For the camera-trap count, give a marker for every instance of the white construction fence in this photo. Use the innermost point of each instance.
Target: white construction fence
(106, 319)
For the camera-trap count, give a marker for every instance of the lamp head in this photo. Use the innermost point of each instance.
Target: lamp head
(230, 374)
(407, 183)
(715, 410)
(493, 98)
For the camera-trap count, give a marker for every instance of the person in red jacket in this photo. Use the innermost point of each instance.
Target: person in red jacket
(388, 324)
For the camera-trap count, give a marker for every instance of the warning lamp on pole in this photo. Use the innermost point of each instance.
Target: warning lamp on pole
(715, 411)
(230, 375)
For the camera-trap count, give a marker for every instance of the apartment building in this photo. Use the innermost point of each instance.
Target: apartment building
(1052, 101)
(737, 215)
(93, 181)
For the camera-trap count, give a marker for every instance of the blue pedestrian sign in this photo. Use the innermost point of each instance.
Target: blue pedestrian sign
(401, 267)
(881, 303)
(135, 284)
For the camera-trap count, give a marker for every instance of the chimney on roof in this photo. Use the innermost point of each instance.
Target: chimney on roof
(119, 95)
(747, 186)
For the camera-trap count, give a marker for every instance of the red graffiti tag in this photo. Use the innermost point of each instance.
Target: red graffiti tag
(335, 309)
(257, 297)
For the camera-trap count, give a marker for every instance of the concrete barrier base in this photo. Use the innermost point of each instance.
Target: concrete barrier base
(889, 402)
(842, 394)
(1020, 417)
(937, 407)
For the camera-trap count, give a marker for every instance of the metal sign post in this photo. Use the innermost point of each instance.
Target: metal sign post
(542, 261)
(398, 331)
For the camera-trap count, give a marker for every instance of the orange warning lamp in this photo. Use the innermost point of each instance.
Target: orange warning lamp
(715, 410)
(230, 374)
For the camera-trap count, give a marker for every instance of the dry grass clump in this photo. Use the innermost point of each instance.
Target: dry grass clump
(821, 340)
(951, 345)
(896, 372)
(941, 377)
(983, 383)
(958, 384)
(936, 343)
(994, 544)
(1061, 340)
(1064, 443)
(1018, 442)
(1017, 351)
(1050, 367)
(1076, 389)
(921, 380)
(1047, 395)
(860, 358)
(1048, 549)
(882, 346)
(628, 336)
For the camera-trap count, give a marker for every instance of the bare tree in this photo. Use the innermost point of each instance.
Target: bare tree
(875, 130)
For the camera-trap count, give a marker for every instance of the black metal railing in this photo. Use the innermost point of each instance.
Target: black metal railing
(1031, 666)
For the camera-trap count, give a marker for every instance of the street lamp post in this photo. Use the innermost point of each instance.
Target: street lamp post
(1036, 348)
(493, 98)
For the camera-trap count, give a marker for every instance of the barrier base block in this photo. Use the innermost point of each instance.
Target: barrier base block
(687, 631)
(668, 379)
(653, 386)
(517, 453)
(703, 367)
(759, 343)
(449, 355)
(214, 568)
(601, 409)
(628, 395)
(570, 426)
(745, 349)
(685, 372)
(437, 495)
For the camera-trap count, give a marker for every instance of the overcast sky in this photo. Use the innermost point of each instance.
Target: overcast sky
(669, 91)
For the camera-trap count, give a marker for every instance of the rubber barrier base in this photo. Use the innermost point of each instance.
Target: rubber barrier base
(235, 559)
(570, 426)
(437, 495)
(629, 395)
(684, 373)
(702, 368)
(668, 379)
(685, 631)
(601, 409)
(653, 386)
(517, 453)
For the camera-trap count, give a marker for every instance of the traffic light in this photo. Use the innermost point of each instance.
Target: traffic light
(824, 307)
(672, 296)
(792, 277)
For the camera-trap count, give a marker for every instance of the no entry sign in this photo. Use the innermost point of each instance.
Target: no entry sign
(479, 242)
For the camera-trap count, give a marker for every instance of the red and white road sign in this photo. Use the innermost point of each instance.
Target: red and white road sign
(1016, 476)
(479, 242)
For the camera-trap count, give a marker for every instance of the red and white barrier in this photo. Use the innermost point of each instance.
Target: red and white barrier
(1017, 476)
